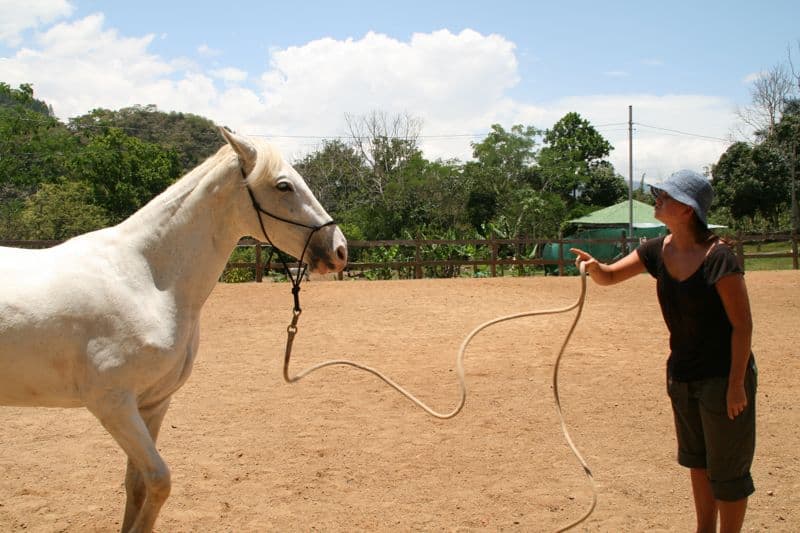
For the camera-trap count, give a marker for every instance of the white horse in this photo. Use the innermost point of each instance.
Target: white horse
(109, 320)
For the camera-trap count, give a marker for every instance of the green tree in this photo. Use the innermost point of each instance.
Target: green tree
(10, 214)
(334, 173)
(785, 138)
(385, 143)
(124, 172)
(34, 146)
(530, 213)
(392, 170)
(751, 181)
(604, 187)
(505, 159)
(443, 190)
(573, 153)
(500, 179)
(481, 207)
(191, 137)
(426, 196)
(23, 96)
(60, 211)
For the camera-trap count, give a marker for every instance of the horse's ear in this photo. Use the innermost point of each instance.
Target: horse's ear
(246, 151)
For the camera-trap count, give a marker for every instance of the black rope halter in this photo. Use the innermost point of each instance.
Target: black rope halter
(303, 266)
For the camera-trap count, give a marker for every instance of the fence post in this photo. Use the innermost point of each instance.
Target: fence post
(520, 265)
(560, 257)
(417, 259)
(259, 265)
(493, 246)
(269, 259)
(794, 251)
(740, 248)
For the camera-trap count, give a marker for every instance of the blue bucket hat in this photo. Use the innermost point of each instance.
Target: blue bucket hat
(690, 188)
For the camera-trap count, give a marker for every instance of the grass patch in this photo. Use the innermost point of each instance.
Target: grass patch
(768, 263)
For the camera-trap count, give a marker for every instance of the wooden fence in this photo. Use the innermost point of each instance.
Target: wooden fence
(418, 256)
(496, 254)
(493, 253)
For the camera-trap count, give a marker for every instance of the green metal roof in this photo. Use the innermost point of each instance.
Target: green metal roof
(619, 215)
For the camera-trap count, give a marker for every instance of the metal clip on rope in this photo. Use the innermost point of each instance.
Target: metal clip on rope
(292, 331)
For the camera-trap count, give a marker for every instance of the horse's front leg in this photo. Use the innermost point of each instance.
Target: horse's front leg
(120, 415)
(134, 482)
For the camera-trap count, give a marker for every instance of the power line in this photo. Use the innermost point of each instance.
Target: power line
(612, 126)
(678, 132)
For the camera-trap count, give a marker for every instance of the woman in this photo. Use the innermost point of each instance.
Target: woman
(711, 374)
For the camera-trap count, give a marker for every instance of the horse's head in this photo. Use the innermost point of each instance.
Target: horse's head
(285, 208)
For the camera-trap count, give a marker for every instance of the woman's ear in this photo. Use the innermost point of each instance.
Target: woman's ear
(688, 210)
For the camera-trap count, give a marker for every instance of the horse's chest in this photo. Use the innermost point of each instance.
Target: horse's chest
(153, 354)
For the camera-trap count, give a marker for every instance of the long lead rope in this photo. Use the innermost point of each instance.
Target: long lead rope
(297, 311)
(292, 332)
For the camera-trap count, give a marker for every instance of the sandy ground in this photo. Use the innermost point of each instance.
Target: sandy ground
(339, 451)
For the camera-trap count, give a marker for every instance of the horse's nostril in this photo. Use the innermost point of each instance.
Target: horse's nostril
(341, 253)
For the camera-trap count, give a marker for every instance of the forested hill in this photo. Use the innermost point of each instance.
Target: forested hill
(60, 179)
(192, 137)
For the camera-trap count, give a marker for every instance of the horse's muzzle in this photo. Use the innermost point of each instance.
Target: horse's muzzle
(327, 251)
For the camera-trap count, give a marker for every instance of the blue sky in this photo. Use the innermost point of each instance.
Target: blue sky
(292, 70)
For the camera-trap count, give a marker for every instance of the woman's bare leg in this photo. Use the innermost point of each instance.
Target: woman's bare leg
(704, 503)
(731, 515)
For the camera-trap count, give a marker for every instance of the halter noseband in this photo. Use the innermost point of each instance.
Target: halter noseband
(303, 265)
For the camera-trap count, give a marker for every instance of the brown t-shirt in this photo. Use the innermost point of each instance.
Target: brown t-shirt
(700, 332)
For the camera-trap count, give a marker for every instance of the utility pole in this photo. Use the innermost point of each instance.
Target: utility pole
(795, 213)
(630, 171)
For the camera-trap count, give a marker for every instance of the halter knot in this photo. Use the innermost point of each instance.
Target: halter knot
(296, 294)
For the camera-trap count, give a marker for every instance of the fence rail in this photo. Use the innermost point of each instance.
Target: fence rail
(492, 253)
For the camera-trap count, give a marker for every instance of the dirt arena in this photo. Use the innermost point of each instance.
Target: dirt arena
(340, 451)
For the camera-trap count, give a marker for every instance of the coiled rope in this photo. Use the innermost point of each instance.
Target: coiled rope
(292, 332)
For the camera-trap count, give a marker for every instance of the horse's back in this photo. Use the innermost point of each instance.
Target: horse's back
(30, 275)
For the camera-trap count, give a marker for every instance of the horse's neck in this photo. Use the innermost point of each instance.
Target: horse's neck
(187, 234)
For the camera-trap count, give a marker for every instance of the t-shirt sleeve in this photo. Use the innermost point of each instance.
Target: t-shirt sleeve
(649, 251)
(721, 262)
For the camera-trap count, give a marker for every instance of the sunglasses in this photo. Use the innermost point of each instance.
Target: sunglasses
(659, 193)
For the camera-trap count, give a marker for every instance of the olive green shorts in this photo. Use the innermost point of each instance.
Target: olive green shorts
(708, 439)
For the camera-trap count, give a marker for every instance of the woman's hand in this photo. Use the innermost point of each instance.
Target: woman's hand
(737, 400)
(603, 274)
(592, 265)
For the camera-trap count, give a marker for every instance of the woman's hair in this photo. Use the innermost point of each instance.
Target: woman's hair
(701, 232)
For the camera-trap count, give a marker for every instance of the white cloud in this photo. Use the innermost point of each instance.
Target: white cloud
(616, 74)
(662, 124)
(16, 16)
(229, 74)
(80, 65)
(458, 84)
(452, 81)
(207, 51)
(753, 76)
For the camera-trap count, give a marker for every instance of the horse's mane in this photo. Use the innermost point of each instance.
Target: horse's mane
(268, 162)
(173, 197)
(169, 203)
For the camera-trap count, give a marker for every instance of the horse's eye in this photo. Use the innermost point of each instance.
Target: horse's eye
(284, 186)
